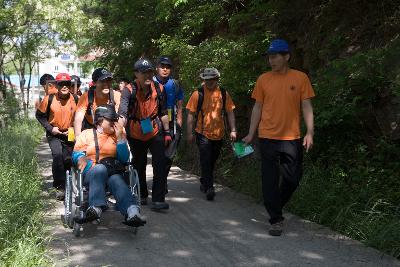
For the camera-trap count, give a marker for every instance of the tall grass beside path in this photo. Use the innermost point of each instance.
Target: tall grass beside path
(21, 206)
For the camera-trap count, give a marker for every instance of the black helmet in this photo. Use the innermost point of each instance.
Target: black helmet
(77, 79)
(105, 111)
(45, 77)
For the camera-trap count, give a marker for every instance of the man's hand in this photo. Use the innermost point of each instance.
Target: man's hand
(167, 137)
(308, 141)
(56, 131)
(248, 139)
(233, 136)
(119, 131)
(82, 163)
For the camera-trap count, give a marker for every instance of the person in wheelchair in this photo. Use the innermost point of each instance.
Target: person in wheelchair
(100, 154)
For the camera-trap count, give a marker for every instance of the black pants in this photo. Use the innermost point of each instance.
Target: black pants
(61, 151)
(176, 138)
(209, 152)
(139, 149)
(279, 159)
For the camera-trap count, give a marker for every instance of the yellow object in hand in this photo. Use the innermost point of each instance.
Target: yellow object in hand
(71, 134)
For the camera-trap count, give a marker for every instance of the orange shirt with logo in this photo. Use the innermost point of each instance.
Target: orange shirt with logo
(281, 96)
(107, 144)
(210, 122)
(147, 107)
(62, 111)
(84, 102)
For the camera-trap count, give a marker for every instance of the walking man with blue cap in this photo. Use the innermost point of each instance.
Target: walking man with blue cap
(280, 96)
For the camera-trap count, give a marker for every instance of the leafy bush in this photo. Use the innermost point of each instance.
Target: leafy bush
(21, 206)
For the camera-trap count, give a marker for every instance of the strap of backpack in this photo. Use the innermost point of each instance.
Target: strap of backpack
(132, 102)
(159, 96)
(48, 109)
(96, 144)
(76, 98)
(111, 96)
(89, 109)
(223, 112)
(200, 100)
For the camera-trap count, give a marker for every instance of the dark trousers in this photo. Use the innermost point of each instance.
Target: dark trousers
(283, 159)
(176, 138)
(139, 149)
(209, 151)
(61, 151)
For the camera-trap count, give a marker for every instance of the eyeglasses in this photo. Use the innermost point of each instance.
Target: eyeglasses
(64, 83)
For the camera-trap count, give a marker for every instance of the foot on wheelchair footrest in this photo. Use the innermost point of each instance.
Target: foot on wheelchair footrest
(135, 221)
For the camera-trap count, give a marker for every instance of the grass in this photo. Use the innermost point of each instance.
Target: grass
(21, 206)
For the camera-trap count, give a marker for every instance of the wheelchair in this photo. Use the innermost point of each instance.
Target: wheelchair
(76, 197)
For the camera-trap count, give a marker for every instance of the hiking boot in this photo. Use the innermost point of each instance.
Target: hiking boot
(210, 194)
(93, 213)
(276, 229)
(143, 201)
(202, 188)
(157, 206)
(60, 194)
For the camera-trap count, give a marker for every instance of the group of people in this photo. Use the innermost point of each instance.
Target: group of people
(147, 115)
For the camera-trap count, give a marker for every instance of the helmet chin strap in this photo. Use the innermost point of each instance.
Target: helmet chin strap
(100, 129)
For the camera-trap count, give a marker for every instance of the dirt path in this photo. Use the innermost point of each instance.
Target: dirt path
(231, 231)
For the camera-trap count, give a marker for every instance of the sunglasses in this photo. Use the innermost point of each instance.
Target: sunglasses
(64, 83)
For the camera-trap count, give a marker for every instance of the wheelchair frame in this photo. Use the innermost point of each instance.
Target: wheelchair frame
(74, 204)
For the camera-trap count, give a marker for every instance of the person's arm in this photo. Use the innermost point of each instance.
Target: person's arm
(122, 144)
(79, 116)
(123, 106)
(189, 124)
(255, 120)
(232, 124)
(308, 115)
(179, 113)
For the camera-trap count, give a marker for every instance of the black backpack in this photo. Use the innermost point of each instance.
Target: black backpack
(200, 100)
(51, 97)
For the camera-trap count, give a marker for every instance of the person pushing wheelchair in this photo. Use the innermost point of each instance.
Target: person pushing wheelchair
(100, 154)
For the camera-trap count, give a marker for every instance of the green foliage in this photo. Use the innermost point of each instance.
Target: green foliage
(21, 226)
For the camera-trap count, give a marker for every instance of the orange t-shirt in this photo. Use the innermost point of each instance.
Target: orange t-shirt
(210, 122)
(107, 144)
(281, 96)
(146, 107)
(84, 102)
(62, 111)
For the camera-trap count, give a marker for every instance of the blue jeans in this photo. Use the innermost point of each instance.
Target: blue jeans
(97, 179)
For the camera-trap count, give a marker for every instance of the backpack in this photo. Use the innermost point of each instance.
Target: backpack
(51, 97)
(133, 100)
(200, 100)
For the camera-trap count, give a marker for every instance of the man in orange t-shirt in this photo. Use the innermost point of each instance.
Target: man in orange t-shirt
(56, 113)
(100, 94)
(144, 111)
(209, 126)
(281, 95)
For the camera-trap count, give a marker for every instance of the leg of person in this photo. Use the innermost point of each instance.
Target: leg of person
(168, 164)
(67, 148)
(127, 204)
(292, 169)
(206, 159)
(270, 179)
(216, 150)
(96, 179)
(58, 170)
(139, 150)
(157, 149)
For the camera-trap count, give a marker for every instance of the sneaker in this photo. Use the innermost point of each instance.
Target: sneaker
(157, 206)
(210, 194)
(93, 213)
(276, 229)
(60, 194)
(133, 217)
(143, 201)
(202, 188)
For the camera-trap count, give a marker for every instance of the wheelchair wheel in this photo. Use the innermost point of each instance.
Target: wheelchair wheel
(134, 184)
(70, 199)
